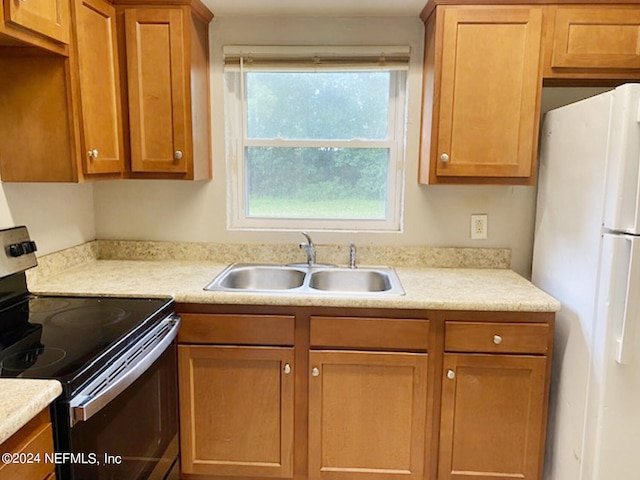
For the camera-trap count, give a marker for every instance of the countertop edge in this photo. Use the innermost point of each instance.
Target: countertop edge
(482, 290)
(426, 288)
(21, 400)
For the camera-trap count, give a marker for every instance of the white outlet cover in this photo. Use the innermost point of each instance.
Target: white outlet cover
(479, 226)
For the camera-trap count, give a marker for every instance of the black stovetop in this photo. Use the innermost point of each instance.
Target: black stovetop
(71, 338)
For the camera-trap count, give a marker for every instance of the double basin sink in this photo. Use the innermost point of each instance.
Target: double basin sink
(307, 280)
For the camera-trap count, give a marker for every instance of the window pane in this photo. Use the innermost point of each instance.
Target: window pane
(318, 106)
(349, 183)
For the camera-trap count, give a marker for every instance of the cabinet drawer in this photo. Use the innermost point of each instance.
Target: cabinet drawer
(237, 329)
(497, 337)
(597, 38)
(370, 333)
(35, 438)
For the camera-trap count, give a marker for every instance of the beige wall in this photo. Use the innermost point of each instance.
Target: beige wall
(438, 216)
(60, 216)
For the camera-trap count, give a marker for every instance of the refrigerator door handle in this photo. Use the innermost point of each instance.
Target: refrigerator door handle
(630, 318)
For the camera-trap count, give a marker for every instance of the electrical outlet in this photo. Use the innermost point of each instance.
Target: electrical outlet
(479, 226)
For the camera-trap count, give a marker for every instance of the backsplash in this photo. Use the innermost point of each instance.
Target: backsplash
(57, 262)
(399, 256)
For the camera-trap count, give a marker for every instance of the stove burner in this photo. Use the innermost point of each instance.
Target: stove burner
(88, 317)
(33, 359)
(42, 305)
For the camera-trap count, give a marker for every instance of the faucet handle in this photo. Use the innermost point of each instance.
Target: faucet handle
(352, 255)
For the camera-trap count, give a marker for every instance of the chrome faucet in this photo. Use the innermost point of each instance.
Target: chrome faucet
(310, 249)
(352, 255)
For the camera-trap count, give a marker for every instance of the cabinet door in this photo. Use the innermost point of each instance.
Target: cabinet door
(34, 438)
(158, 83)
(47, 17)
(367, 415)
(99, 87)
(492, 417)
(489, 92)
(236, 411)
(597, 38)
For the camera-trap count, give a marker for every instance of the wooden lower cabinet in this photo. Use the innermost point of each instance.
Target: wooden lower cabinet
(35, 438)
(236, 410)
(492, 417)
(310, 393)
(367, 415)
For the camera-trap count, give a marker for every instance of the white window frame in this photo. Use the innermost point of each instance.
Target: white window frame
(236, 141)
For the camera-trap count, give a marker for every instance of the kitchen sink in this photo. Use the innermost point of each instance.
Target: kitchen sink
(307, 280)
(351, 280)
(262, 277)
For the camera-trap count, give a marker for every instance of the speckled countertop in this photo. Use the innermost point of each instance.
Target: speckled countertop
(433, 278)
(21, 400)
(426, 288)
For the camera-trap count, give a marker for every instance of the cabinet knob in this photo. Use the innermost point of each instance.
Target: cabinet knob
(451, 374)
(177, 155)
(287, 369)
(444, 158)
(497, 339)
(93, 153)
(315, 371)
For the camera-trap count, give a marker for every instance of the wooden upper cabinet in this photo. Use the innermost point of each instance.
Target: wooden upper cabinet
(36, 130)
(99, 79)
(158, 90)
(71, 113)
(483, 84)
(595, 41)
(167, 75)
(63, 108)
(493, 417)
(46, 17)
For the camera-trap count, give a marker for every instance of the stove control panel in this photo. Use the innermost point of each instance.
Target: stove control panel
(22, 248)
(18, 251)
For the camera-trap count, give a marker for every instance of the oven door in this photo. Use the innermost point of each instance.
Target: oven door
(127, 428)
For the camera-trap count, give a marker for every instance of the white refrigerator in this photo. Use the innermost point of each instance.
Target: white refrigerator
(587, 255)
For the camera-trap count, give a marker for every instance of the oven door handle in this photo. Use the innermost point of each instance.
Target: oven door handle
(124, 371)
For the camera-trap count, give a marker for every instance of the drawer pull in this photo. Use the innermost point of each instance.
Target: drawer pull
(315, 371)
(287, 369)
(497, 339)
(451, 374)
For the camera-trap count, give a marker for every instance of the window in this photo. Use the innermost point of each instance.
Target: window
(315, 143)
